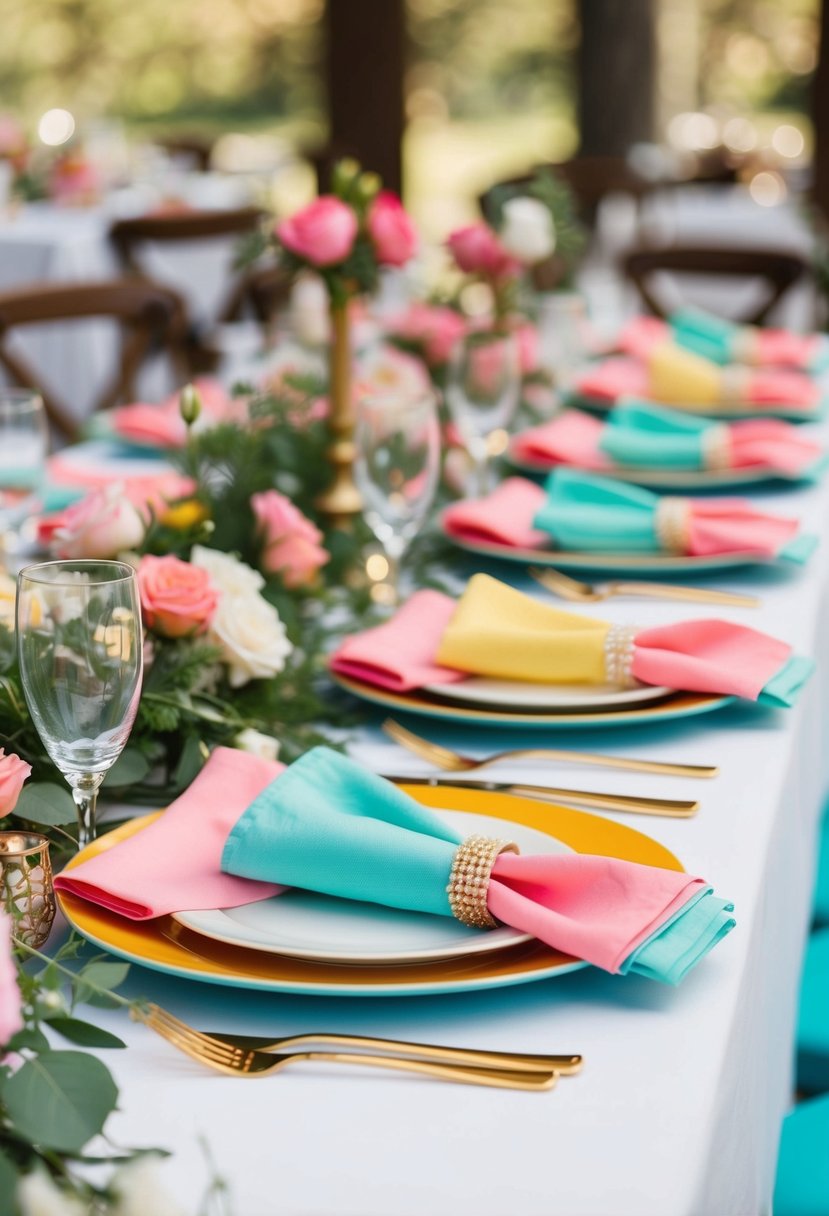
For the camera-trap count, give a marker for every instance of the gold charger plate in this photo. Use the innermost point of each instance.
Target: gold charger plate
(674, 705)
(165, 946)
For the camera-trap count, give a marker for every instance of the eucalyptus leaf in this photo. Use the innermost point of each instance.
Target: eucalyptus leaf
(130, 768)
(29, 1037)
(60, 1099)
(84, 1033)
(45, 802)
(96, 976)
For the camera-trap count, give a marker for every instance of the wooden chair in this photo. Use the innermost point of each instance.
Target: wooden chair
(151, 318)
(776, 270)
(131, 237)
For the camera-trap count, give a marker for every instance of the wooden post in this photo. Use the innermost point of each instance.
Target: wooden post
(617, 60)
(365, 69)
(820, 116)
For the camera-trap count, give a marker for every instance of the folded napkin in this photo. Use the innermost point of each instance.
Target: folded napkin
(645, 436)
(327, 825)
(672, 375)
(588, 513)
(174, 863)
(494, 630)
(583, 512)
(161, 425)
(725, 342)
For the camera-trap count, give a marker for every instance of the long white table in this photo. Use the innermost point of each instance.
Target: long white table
(677, 1111)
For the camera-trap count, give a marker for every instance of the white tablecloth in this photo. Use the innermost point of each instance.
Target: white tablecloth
(678, 1108)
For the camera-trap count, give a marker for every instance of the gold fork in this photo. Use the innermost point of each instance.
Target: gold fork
(236, 1061)
(586, 593)
(457, 762)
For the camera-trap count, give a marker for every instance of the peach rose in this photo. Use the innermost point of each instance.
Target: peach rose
(391, 230)
(177, 599)
(11, 1017)
(13, 772)
(291, 543)
(322, 233)
(103, 524)
(477, 250)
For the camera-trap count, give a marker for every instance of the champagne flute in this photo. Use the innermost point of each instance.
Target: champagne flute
(23, 444)
(80, 649)
(482, 391)
(396, 470)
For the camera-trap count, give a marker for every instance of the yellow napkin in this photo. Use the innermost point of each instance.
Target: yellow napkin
(498, 631)
(679, 377)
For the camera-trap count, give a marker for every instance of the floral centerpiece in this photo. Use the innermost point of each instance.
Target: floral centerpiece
(345, 237)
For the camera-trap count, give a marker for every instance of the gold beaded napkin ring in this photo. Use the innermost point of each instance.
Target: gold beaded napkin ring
(469, 879)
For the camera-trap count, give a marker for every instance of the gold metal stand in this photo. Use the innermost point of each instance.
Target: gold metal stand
(342, 499)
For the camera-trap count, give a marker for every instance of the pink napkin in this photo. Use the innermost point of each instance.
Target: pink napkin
(174, 863)
(504, 517)
(400, 653)
(622, 377)
(590, 907)
(733, 525)
(162, 425)
(696, 656)
(573, 438)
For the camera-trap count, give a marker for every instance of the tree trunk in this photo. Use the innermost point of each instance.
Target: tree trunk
(365, 70)
(617, 60)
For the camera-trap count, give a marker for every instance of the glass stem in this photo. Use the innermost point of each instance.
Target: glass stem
(85, 795)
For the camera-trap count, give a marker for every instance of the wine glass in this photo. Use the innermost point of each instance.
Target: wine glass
(482, 390)
(396, 470)
(23, 444)
(80, 649)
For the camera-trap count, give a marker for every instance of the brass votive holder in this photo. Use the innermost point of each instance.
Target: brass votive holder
(26, 888)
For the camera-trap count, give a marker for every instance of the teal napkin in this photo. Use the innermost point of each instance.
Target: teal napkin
(327, 825)
(713, 338)
(595, 514)
(644, 435)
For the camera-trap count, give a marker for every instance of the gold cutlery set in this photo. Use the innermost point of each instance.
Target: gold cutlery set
(244, 1056)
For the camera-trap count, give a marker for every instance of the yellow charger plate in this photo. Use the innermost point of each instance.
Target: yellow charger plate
(165, 946)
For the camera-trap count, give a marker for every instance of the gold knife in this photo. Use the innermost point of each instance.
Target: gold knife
(675, 808)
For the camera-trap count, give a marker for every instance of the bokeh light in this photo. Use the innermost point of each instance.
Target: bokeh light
(56, 127)
(767, 188)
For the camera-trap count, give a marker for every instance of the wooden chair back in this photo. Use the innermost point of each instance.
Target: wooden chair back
(151, 318)
(775, 270)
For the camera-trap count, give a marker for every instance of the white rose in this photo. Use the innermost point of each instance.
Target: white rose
(138, 1191)
(253, 741)
(527, 230)
(37, 1195)
(251, 637)
(229, 575)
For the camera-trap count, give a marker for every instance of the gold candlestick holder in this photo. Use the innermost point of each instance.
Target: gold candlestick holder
(341, 501)
(26, 888)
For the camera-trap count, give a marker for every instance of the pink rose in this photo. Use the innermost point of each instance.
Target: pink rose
(177, 599)
(322, 233)
(526, 335)
(391, 229)
(11, 1016)
(434, 327)
(291, 543)
(477, 250)
(13, 772)
(103, 524)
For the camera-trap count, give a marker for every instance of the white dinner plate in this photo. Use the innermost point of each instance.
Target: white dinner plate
(518, 694)
(319, 927)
